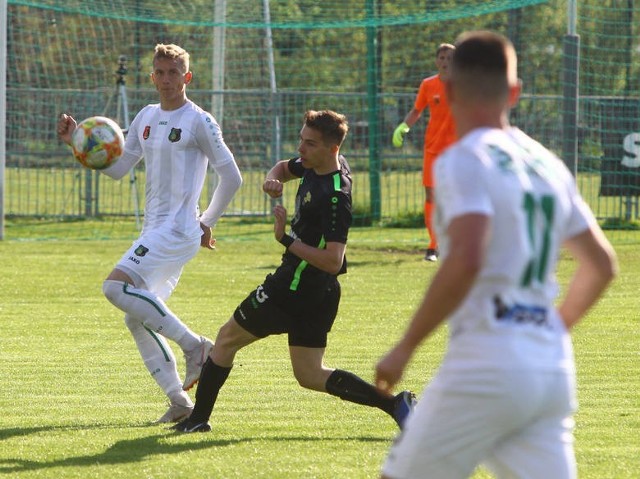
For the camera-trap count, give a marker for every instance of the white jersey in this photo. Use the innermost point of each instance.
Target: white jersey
(176, 146)
(508, 320)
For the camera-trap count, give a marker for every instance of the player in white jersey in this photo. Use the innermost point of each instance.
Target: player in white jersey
(177, 140)
(505, 391)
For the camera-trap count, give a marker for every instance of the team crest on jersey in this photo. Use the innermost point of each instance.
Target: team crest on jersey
(141, 250)
(436, 99)
(175, 135)
(146, 132)
(307, 198)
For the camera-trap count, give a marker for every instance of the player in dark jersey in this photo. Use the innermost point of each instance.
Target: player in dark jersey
(301, 297)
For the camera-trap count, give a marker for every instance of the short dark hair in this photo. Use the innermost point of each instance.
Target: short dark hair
(333, 126)
(484, 62)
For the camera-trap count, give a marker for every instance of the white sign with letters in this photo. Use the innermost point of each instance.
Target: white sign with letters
(631, 146)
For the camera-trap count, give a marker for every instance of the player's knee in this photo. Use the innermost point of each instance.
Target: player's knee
(303, 380)
(112, 291)
(309, 378)
(131, 322)
(230, 339)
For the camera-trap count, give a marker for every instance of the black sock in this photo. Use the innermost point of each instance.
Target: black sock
(211, 380)
(351, 388)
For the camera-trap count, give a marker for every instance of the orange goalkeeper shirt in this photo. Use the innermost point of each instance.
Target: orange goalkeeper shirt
(440, 131)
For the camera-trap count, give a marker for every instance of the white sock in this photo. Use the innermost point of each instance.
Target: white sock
(156, 355)
(156, 316)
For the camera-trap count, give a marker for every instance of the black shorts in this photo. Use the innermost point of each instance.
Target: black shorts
(306, 317)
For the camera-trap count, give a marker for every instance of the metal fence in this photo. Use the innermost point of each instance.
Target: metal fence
(43, 180)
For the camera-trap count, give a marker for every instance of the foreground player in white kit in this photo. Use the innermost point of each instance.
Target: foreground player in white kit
(177, 140)
(505, 392)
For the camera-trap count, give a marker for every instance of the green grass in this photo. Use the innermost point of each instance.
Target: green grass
(77, 402)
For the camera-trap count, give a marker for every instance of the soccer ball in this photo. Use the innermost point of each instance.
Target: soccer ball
(97, 142)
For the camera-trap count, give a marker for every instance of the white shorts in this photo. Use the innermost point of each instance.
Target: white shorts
(517, 423)
(157, 258)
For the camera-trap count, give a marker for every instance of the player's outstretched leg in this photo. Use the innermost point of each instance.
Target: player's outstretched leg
(404, 403)
(211, 381)
(230, 339)
(349, 387)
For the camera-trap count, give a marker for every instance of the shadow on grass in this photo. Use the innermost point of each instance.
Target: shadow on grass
(136, 450)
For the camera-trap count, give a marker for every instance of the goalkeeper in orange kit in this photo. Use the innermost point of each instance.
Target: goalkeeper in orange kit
(439, 134)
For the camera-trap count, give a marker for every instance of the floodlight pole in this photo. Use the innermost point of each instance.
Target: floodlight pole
(3, 107)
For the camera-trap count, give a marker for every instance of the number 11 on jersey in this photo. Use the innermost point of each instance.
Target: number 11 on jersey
(539, 234)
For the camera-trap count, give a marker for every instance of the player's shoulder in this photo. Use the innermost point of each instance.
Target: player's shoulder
(149, 109)
(337, 183)
(345, 169)
(345, 177)
(430, 81)
(199, 115)
(145, 115)
(193, 108)
(150, 106)
(499, 147)
(543, 157)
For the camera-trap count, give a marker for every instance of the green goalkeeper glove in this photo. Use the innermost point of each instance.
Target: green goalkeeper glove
(398, 134)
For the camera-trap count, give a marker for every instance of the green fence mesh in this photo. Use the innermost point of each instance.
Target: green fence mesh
(258, 65)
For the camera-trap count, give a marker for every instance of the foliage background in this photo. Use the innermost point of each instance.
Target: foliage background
(364, 58)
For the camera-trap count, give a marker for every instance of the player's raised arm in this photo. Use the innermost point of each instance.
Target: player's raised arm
(275, 178)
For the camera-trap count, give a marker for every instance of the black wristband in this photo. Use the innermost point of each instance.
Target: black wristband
(286, 240)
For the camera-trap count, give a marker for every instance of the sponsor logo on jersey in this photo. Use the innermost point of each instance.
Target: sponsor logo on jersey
(146, 132)
(175, 135)
(520, 313)
(141, 250)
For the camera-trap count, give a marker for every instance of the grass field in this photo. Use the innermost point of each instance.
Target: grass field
(77, 402)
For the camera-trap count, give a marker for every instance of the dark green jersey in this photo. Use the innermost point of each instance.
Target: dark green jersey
(322, 214)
